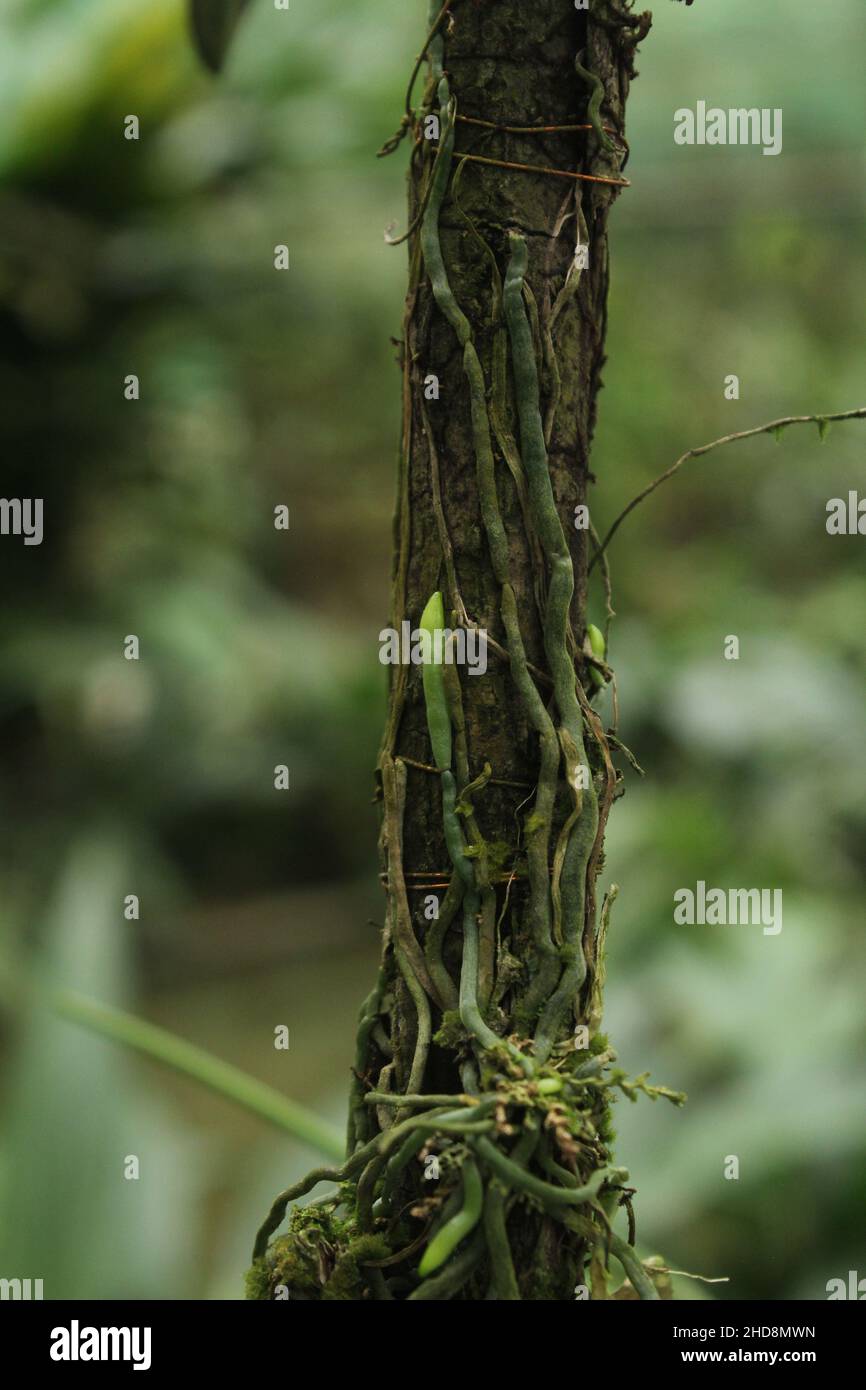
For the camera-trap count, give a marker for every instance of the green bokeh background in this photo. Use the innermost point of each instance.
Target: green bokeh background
(259, 908)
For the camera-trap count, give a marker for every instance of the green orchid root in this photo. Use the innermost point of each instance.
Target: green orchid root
(431, 1202)
(544, 1140)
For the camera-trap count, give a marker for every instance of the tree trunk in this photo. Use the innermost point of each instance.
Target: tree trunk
(491, 974)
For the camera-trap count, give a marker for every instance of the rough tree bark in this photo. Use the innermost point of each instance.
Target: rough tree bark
(517, 354)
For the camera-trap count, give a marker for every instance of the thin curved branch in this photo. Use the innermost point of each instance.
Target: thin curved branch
(822, 421)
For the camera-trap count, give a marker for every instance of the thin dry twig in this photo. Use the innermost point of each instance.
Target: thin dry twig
(774, 425)
(544, 169)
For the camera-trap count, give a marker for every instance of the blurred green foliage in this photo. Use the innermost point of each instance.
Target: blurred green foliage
(259, 647)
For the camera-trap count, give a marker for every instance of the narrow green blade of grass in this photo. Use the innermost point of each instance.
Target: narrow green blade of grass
(184, 1057)
(192, 1061)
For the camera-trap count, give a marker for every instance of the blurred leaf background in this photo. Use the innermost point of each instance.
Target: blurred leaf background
(259, 908)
